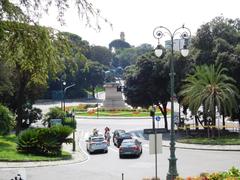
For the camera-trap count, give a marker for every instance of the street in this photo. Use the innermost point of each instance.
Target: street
(110, 167)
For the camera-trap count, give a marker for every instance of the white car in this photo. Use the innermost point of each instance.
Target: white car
(96, 143)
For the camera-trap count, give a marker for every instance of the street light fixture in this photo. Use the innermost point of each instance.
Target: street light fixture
(185, 34)
(64, 91)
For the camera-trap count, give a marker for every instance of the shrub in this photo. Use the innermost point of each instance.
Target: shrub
(69, 121)
(231, 174)
(45, 141)
(28, 141)
(54, 113)
(6, 120)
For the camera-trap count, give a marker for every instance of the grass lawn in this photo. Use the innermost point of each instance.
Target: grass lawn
(8, 152)
(225, 140)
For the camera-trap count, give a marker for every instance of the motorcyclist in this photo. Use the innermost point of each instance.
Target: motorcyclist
(107, 135)
(95, 132)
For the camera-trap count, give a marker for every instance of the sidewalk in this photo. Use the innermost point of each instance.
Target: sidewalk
(204, 147)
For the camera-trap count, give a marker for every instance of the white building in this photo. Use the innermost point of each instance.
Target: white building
(178, 44)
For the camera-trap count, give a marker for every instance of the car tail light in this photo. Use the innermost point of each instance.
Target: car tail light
(136, 148)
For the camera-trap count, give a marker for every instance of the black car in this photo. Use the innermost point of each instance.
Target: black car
(119, 136)
(130, 147)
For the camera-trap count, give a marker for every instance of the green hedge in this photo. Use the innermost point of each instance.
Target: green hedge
(231, 174)
(69, 121)
(54, 113)
(44, 141)
(6, 120)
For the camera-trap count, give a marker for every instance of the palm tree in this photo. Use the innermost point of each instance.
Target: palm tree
(211, 88)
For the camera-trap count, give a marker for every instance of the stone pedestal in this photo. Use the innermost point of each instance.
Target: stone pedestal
(113, 98)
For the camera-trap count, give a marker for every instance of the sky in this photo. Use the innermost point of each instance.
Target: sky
(138, 18)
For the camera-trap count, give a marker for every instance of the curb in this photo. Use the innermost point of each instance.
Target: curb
(110, 117)
(203, 147)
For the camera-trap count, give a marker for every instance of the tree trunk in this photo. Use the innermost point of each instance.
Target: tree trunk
(20, 101)
(163, 110)
(205, 118)
(93, 92)
(19, 120)
(196, 122)
(223, 121)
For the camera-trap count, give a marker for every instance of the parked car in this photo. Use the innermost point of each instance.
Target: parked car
(130, 147)
(96, 143)
(119, 137)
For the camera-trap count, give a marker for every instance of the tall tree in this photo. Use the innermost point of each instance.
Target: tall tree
(217, 42)
(212, 88)
(94, 75)
(147, 83)
(101, 54)
(34, 9)
(30, 52)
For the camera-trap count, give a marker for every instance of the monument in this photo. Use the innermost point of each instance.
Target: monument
(113, 90)
(113, 97)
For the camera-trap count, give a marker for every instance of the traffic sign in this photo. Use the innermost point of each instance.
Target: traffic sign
(151, 131)
(158, 118)
(152, 149)
(54, 122)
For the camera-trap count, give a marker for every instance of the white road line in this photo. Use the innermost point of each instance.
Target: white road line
(113, 149)
(88, 157)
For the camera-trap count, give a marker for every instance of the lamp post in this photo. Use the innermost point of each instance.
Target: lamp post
(63, 84)
(152, 113)
(185, 34)
(64, 91)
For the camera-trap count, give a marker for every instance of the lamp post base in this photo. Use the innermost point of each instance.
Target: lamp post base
(172, 172)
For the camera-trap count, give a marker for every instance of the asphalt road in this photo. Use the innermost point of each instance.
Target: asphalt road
(110, 167)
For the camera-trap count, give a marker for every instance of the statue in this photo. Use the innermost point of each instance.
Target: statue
(113, 90)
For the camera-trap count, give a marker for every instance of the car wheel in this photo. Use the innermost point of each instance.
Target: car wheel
(106, 151)
(120, 156)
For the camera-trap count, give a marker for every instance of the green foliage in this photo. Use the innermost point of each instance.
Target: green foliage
(24, 45)
(100, 54)
(231, 174)
(54, 113)
(128, 56)
(28, 141)
(30, 115)
(70, 121)
(217, 42)
(6, 120)
(211, 87)
(46, 141)
(119, 44)
(94, 76)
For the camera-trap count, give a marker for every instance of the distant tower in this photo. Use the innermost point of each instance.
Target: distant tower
(122, 36)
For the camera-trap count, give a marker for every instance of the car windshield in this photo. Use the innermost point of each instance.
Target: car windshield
(100, 139)
(127, 143)
(121, 131)
(126, 135)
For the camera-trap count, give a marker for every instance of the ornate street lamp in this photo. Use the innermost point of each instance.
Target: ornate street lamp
(185, 34)
(64, 92)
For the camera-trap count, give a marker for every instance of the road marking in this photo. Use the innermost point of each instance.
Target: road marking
(88, 157)
(113, 149)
